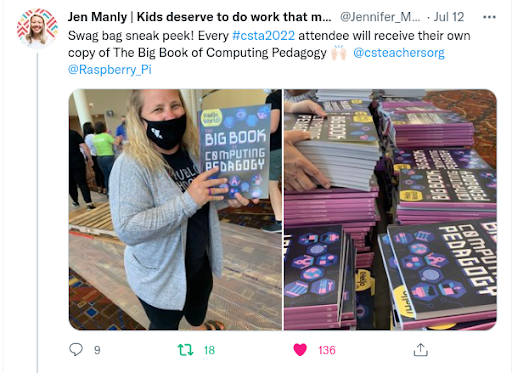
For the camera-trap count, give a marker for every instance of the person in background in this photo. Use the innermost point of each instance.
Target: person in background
(121, 131)
(88, 138)
(104, 143)
(276, 101)
(77, 170)
(165, 211)
(299, 173)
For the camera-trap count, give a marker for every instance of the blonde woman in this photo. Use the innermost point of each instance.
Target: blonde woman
(37, 38)
(165, 210)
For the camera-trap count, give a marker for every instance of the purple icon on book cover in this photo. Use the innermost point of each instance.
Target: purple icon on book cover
(245, 186)
(234, 181)
(252, 120)
(385, 239)
(256, 192)
(317, 249)
(424, 236)
(241, 114)
(263, 112)
(326, 260)
(417, 177)
(308, 239)
(330, 237)
(323, 286)
(233, 191)
(295, 289)
(312, 273)
(424, 292)
(431, 275)
(403, 238)
(412, 262)
(229, 122)
(487, 175)
(436, 260)
(393, 263)
(362, 311)
(418, 248)
(303, 261)
(452, 289)
(257, 179)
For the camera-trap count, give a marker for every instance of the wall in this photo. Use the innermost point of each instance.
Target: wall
(233, 97)
(103, 100)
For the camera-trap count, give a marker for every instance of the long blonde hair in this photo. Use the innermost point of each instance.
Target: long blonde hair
(140, 147)
(30, 36)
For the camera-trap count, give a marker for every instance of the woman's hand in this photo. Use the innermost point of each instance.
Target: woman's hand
(299, 173)
(241, 201)
(203, 190)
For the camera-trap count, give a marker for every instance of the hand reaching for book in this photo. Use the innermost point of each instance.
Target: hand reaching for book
(299, 173)
(203, 190)
(301, 107)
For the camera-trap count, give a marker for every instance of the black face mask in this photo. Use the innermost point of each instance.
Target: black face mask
(167, 133)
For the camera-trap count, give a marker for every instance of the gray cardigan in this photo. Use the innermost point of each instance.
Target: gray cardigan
(150, 215)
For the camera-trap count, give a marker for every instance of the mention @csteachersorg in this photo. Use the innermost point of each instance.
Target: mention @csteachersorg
(264, 54)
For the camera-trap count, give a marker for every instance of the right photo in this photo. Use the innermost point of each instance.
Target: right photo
(390, 209)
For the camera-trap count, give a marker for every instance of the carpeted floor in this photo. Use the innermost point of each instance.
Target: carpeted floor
(91, 310)
(477, 106)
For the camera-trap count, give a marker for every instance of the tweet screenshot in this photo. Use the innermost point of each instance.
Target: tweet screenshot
(256, 186)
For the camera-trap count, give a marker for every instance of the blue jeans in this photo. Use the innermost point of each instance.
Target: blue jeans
(106, 163)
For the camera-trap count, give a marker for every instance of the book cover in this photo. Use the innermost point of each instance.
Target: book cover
(365, 290)
(447, 268)
(418, 109)
(399, 295)
(349, 286)
(437, 159)
(238, 141)
(335, 128)
(429, 120)
(439, 189)
(313, 268)
(354, 105)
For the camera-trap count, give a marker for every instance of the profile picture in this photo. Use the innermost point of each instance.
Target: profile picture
(37, 28)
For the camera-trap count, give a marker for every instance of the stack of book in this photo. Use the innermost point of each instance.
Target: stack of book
(429, 130)
(442, 276)
(400, 94)
(428, 196)
(344, 146)
(319, 285)
(435, 159)
(343, 94)
(355, 210)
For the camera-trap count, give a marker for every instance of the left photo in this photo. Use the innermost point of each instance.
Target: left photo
(175, 209)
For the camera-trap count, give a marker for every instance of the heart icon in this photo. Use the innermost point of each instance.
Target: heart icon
(300, 349)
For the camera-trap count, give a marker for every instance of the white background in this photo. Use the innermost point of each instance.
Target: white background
(32, 204)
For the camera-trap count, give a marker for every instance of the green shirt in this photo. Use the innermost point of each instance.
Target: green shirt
(103, 144)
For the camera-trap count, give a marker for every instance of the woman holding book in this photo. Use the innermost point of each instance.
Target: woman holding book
(165, 210)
